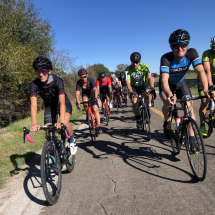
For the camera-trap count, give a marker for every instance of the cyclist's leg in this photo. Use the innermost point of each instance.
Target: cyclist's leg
(85, 97)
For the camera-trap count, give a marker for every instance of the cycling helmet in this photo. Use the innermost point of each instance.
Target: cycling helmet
(82, 72)
(135, 56)
(42, 63)
(213, 40)
(113, 76)
(179, 36)
(102, 75)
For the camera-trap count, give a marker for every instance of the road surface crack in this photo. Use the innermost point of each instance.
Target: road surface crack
(104, 209)
(114, 189)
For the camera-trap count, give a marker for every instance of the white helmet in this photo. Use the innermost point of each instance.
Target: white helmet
(113, 76)
(213, 39)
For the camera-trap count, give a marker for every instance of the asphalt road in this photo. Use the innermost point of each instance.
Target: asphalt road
(123, 173)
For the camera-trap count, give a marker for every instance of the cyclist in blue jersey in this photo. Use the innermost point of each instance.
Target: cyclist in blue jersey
(173, 68)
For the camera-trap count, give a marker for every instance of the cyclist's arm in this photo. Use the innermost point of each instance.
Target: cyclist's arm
(128, 83)
(165, 84)
(95, 91)
(207, 68)
(98, 90)
(199, 70)
(150, 80)
(62, 108)
(110, 88)
(77, 94)
(34, 125)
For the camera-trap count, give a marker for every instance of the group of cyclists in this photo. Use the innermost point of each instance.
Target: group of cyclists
(133, 80)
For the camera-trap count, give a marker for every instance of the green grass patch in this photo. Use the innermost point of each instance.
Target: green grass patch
(191, 76)
(14, 153)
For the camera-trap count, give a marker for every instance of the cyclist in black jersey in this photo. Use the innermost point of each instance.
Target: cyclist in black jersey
(51, 88)
(89, 90)
(174, 66)
(123, 83)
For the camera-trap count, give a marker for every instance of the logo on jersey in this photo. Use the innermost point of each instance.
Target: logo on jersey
(137, 76)
(178, 70)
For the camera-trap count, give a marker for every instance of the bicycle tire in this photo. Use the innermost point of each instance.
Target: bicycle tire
(197, 159)
(71, 159)
(175, 139)
(152, 101)
(146, 122)
(91, 128)
(106, 113)
(208, 124)
(51, 182)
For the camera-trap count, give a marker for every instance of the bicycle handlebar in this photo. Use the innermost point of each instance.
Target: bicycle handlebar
(45, 128)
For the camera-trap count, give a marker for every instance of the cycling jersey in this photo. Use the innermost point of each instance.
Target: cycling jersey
(177, 69)
(137, 76)
(114, 83)
(103, 85)
(208, 56)
(90, 85)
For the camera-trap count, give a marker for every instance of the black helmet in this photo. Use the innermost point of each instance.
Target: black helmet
(102, 75)
(136, 56)
(179, 36)
(42, 63)
(121, 74)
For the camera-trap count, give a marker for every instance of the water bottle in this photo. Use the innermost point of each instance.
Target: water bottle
(212, 108)
(178, 120)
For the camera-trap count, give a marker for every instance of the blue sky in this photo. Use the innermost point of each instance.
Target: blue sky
(108, 31)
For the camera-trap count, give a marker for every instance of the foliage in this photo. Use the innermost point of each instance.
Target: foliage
(120, 68)
(155, 75)
(100, 68)
(24, 35)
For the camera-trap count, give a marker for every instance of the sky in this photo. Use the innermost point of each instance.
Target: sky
(108, 31)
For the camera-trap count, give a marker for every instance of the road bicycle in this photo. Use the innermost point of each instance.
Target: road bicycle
(106, 108)
(91, 120)
(186, 132)
(145, 119)
(55, 154)
(116, 95)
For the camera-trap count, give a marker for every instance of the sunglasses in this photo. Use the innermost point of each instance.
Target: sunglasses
(182, 45)
(43, 71)
(83, 77)
(135, 62)
(212, 46)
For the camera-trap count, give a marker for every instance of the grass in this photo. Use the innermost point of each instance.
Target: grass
(14, 153)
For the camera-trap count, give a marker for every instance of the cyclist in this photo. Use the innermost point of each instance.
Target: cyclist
(173, 68)
(123, 83)
(136, 75)
(51, 89)
(89, 90)
(208, 59)
(104, 87)
(116, 85)
(154, 93)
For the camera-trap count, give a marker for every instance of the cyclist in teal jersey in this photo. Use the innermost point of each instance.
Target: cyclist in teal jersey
(208, 59)
(174, 66)
(136, 75)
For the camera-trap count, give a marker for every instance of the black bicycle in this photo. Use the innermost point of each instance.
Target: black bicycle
(55, 154)
(186, 132)
(124, 95)
(145, 119)
(116, 95)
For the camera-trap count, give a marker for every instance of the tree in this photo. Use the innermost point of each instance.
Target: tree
(120, 68)
(155, 75)
(100, 68)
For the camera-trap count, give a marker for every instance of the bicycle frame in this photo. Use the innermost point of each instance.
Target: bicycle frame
(105, 102)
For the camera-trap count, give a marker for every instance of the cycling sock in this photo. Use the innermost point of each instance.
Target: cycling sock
(71, 140)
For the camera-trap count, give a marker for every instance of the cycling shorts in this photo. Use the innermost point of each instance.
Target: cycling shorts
(90, 95)
(180, 89)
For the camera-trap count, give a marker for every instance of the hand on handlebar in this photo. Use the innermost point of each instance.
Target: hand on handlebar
(35, 128)
(171, 100)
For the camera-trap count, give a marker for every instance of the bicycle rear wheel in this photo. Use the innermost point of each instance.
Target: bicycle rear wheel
(196, 151)
(175, 138)
(92, 128)
(51, 176)
(70, 158)
(146, 122)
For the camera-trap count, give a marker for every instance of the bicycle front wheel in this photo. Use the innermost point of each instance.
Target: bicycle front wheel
(146, 122)
(92, 128)
(196, 150)
(70, 158)
(152, 101)
(175, 138)
(51, 176)
(106, 113)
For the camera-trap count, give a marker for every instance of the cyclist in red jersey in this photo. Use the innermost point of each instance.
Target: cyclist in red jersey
(104, 87)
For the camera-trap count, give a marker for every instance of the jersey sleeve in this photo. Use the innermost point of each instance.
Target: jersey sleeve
(148, 72)
(164, 65)
(127, 75)
(109, 81)
(33, 89)
(205, 57)
(194, 57)
(78, 86)
(60, 86)
(97, 83)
